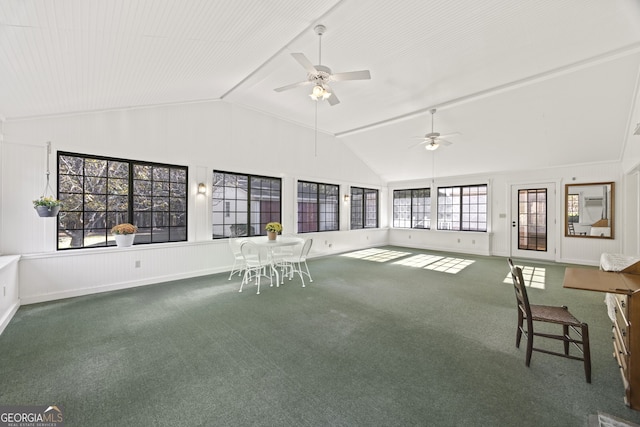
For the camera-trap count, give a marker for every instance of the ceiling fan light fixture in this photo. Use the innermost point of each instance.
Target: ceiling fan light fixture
(320, 75)
(432, 146)
(318, 92)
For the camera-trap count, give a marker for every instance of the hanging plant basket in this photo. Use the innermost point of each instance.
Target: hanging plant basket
(47, 211)
(47, 206)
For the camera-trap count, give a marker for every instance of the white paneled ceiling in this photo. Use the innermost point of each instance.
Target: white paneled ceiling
(526, 84)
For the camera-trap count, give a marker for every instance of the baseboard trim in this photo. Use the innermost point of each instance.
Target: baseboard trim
(479, 251)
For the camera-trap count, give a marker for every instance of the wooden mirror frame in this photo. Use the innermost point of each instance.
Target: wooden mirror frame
(605, 225)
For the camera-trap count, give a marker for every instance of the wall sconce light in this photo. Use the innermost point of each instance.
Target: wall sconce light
(202, 188)
(346, 198)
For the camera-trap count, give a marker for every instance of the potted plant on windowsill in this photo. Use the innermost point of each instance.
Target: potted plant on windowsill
(273, 228)
(124, 234)
(47, 206)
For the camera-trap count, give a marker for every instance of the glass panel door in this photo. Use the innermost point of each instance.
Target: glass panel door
(533, 221)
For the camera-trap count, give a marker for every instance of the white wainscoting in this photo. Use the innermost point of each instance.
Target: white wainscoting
(71, 273)
(9, 291)
(468, 242)
(65, 274)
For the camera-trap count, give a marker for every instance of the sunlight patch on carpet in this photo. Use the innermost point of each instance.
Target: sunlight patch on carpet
(534, 277)
(429, 262)
(419, 260)
(377, 255)
(450, 265)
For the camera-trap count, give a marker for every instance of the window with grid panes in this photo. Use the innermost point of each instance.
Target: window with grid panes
(318, 207)
(243, 204)
(412, 208)
(364, 208)
(462, 208)
(100, 192)
(402, 208)
(573, 208)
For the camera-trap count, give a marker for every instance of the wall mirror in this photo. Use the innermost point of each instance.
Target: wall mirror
(589, 210)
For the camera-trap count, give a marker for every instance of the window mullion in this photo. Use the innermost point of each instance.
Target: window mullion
(318, 208)
(411, 209)
(460, 215)
(249, 189)
(130, 194)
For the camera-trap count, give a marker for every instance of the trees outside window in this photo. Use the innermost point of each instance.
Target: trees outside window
(100, 192)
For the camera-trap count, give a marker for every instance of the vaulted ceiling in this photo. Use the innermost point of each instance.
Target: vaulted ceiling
(524, 84)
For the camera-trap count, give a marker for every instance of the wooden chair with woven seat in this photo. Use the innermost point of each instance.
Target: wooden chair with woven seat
(549, 314)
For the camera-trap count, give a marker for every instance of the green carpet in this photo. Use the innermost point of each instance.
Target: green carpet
(366, 344)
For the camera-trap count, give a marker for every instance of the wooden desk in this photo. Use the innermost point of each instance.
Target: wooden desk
(625, 290)
(589, 279)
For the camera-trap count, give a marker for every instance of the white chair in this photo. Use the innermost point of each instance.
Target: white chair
(256, 264)
(294, 264)
(238, 260)
(280, 253)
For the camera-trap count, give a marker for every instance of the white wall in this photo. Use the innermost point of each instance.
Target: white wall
(497, 241)
(215, 135)
(631, 168)
(631, 155)
(631, 208)
(203, 136)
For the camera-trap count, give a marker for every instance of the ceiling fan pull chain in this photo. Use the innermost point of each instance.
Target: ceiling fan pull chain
(315, 140)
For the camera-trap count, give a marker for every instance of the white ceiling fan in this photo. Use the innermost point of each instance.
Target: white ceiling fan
(320, 75)
(433, 139)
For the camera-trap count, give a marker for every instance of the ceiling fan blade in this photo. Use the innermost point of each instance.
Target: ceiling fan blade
(351, 75)
(291, 86)
(447, 135)
(424, 141)
(306, 64)
(432, 143)
(333, 99)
